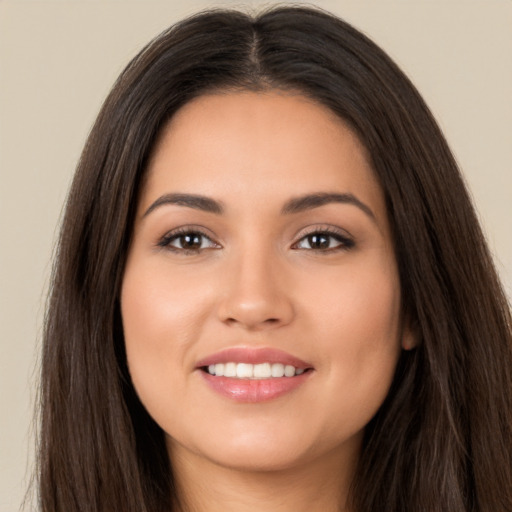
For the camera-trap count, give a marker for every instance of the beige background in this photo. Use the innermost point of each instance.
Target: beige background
(57, 62)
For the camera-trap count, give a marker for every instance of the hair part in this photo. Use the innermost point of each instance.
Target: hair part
(443, 438)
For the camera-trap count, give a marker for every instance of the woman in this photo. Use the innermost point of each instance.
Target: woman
(271, 289)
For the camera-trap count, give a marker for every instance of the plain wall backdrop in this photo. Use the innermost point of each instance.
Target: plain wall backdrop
(57, 62)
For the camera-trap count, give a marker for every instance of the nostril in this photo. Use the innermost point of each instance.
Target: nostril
(268, 321)
(258, 313)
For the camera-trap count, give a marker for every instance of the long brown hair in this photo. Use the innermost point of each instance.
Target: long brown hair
(442, 441)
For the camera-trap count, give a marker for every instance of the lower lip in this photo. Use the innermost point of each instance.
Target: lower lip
(254, 390)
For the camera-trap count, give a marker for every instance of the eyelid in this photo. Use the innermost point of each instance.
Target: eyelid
(345, 238)
(164, 241)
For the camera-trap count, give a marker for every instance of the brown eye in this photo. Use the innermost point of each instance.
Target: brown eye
(324, 241)
(319, 241)
(187, 241)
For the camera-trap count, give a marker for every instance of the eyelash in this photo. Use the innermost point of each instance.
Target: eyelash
(166, 240)
(344, 242)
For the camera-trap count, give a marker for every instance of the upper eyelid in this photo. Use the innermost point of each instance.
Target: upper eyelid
(165, 239)
(193, 228)
(323, 228)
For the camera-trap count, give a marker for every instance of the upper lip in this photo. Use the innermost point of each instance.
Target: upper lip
(253, 355)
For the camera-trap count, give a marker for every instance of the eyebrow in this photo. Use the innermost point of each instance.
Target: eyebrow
(293, 206)
(310, 201)
(196, 202)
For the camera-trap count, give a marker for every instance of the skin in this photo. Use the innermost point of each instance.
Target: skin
(257, 280)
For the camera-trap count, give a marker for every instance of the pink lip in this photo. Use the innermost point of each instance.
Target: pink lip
(253, 390)
(253, 356)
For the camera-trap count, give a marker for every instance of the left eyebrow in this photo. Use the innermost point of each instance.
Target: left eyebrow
(310, 201)
(196, 202)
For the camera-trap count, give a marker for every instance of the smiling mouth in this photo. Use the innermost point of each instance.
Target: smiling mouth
(253, 371)
(254, 375)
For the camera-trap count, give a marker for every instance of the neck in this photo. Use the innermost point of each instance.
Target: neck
(319, 486)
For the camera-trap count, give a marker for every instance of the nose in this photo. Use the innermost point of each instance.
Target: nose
(256, 295)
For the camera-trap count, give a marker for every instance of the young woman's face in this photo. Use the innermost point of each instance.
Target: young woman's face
(261, 246)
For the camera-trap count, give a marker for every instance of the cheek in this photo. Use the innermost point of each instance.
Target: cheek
(366, 317)
(157, 304)
(162, 318)
(359, 307)
(357, 326)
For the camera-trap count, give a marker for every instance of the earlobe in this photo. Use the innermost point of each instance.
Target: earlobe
(409, 339)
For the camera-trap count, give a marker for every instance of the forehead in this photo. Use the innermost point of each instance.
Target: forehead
(250, 145)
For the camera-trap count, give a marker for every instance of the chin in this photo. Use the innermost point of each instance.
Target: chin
(264, 450)
(259, 461)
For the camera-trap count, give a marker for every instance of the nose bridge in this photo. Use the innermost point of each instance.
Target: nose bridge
(255, 296)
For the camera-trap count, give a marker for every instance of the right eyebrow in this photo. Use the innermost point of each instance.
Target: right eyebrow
(197, 202)
(310, 201)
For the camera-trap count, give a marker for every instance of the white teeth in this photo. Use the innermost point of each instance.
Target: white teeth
(262, 371)
(230, 370)
(289, 371)
(254, 371)
(278, 370)
(244, 371)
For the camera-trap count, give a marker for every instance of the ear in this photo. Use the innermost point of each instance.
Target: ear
(409, 339)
